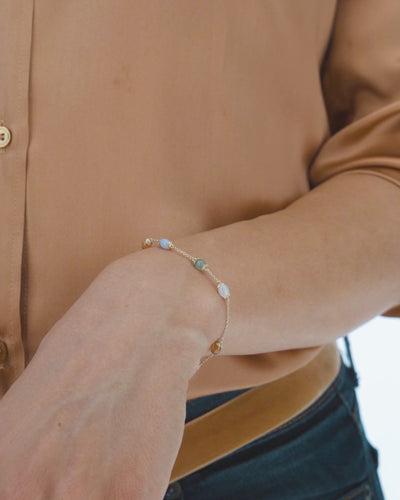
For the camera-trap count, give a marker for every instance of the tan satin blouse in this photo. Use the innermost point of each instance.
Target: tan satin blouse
(125, 118)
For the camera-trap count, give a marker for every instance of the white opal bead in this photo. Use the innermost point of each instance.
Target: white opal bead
(223, 290)
(164, 243)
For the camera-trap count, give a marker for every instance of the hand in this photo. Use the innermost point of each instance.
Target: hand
(99, 412)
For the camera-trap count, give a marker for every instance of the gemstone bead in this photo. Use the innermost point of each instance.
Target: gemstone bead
(216, 347)
(200, 264)
(165, 243)
(223, 290)
(147, 243)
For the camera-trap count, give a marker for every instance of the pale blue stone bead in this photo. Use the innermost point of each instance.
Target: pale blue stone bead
(164, 243)
(223, 290)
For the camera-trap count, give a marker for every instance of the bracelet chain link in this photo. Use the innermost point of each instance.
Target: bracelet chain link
(200, 265)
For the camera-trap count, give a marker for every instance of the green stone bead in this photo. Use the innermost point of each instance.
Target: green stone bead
(200, 264)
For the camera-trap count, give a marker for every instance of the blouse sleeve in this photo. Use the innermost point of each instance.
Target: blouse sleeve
(360, 78)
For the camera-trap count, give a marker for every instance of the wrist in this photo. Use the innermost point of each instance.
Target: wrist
(182, 312)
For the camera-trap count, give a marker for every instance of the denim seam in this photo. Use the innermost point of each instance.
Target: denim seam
(352, 412)
(362, 489)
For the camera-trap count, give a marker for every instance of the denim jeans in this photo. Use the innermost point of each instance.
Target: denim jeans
(320, 454)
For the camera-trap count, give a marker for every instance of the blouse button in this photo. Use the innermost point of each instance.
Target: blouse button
(3, 352)
(5, 136)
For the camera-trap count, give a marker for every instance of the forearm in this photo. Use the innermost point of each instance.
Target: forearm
(302, 276)
(127, 348)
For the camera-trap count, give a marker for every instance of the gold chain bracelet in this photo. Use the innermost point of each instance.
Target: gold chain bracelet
(200, 265)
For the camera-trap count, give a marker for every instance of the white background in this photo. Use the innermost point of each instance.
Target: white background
(376, 354)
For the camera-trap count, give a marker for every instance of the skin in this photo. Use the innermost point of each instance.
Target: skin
(108, 422)
(95, 429)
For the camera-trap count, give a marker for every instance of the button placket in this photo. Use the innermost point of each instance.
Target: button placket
(15, 60)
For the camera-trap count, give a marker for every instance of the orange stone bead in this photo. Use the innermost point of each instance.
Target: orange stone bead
(216, 347)
(147, 243)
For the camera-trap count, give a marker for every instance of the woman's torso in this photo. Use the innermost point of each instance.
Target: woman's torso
(162, 118)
